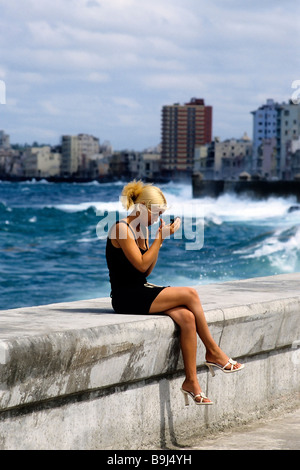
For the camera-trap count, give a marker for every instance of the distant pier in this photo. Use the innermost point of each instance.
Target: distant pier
(260, 189)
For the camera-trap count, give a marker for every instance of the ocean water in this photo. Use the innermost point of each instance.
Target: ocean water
(52, 240)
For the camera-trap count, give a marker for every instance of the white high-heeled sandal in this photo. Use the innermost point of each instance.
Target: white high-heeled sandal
(193, 396)
(230, 362)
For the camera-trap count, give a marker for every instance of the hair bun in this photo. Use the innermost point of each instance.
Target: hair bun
(131, 192)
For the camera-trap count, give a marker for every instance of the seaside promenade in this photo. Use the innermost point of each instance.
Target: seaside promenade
(77, 376)
(282, 432)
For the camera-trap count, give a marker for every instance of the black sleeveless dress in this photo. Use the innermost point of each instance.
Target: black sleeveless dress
(130, 291)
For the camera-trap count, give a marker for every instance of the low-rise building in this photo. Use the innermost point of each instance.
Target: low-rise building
(98, 166)
(223, 160)
(41, 162)
(4, 141)
(10, 162)
(119, 165)
(144, 165)
(266, 162)
(151, 166)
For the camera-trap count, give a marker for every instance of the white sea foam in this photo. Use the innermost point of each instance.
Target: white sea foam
(233, 208)
(225, 208)
(98, 206)
(229, 207)
(282, 249)
(34, 181)
(87, 240)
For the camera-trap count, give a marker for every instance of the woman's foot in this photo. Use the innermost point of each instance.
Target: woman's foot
(219, 357)
(193, 387)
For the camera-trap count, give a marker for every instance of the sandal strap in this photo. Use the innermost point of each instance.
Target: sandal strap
(230, 362)
(201, 395)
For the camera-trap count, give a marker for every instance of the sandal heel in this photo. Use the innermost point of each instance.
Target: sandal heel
(211, 370)
(194, 397)
(186, 398)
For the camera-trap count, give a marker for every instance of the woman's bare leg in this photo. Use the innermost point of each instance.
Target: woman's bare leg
(188, 297)
(188, 341)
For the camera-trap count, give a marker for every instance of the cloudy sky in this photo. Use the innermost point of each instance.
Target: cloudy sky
(106, 67)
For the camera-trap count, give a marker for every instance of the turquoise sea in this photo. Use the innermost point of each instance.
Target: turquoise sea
(52, 240)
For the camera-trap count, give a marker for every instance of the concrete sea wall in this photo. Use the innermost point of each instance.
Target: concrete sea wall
(253, 188)
(77, 376)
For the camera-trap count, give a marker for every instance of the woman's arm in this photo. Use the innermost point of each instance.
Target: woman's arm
(128, 244)
(150, 269)
(146, 262)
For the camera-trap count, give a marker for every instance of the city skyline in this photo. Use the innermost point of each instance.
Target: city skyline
(108, 68)
(187, 148)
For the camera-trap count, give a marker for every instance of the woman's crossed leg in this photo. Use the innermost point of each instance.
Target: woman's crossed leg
(183, 305)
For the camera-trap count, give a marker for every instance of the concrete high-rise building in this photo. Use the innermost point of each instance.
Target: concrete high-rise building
(184, 127)
(76, 152)
(288, 130)
(276, 125)
(264, 127)
(69, 155)
(88, 146)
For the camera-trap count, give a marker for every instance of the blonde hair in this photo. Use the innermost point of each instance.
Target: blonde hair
(137, 192)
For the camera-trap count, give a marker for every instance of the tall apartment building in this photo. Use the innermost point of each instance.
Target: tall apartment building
(69, 155)
(288, 130)
(264, 127)
(293, 157)
(76, 150)
(184, 127)
(88, 146)
(274, 124)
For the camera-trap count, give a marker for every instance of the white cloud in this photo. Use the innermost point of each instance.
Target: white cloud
(2, 73)
(97, 77)
(126, 102)
(176, 81)
(50, 108)
(43, 34)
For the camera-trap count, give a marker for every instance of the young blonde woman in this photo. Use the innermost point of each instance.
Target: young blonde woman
(130, 260)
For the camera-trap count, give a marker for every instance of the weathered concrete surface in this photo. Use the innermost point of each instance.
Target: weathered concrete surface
(78, 376)
(274, 433)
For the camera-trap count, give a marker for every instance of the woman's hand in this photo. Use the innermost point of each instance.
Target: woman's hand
(165, 231)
